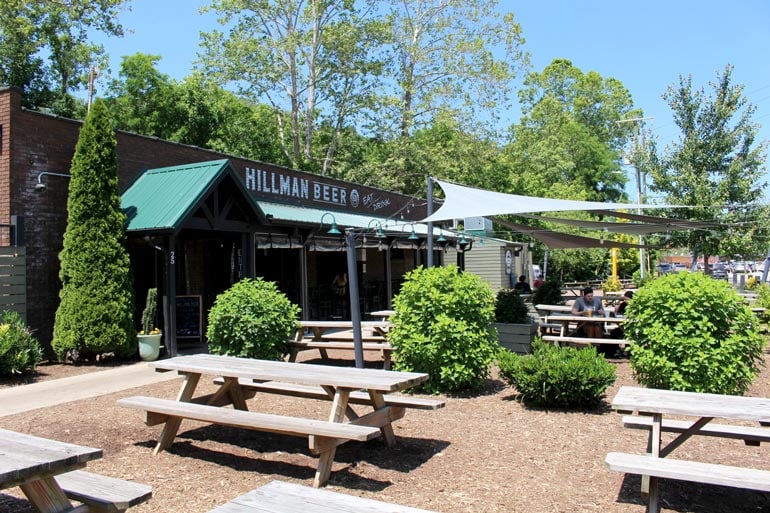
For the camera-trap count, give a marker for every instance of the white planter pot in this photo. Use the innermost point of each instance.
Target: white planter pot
(149, 346)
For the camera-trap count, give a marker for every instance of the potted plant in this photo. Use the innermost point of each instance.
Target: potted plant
(515, 329)
(149, 337)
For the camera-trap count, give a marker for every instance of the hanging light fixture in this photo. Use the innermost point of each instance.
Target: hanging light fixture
(333, 230)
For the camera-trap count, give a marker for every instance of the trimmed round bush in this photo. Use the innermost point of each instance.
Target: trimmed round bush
(549, 293)
(20, 352)
(554, 376)
(442, 327)
(510, 307)
(252, 319)
(693, 333)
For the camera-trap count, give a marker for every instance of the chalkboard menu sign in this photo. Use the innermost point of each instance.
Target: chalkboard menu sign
(189, 313)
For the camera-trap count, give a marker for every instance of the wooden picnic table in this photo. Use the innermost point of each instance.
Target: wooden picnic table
(650, 406)
(567, 319)
(283, 497)
(320, 328)
(32, 464)
(47, 471)
(336, 384)
(385, 314)
(338, 335)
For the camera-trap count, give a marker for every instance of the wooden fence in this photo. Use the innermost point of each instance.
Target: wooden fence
(13, 279)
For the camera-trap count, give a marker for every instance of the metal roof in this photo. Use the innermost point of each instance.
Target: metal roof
(161, 199)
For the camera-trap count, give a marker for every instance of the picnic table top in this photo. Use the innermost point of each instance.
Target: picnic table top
(290, 372)
(649, 400)
(343, 324)
(25, 456)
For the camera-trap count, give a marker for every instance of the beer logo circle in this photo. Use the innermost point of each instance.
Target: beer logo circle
(354, 198)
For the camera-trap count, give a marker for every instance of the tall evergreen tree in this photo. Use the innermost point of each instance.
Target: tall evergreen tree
(95, 315)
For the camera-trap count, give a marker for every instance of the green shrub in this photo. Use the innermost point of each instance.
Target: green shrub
(641, 282)
(442, 327)
(612, 285)
(691, 332)
(20, 352)
(510, 307)
(549, 293)
(555, 376)
(763, 295)
(252, 319)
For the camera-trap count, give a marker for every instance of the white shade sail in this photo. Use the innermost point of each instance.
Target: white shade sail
(463, 201)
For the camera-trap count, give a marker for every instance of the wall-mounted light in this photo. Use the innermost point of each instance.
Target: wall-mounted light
(333, 230)
(40, 185)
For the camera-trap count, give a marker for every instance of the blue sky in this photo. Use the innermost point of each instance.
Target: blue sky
(646, 45)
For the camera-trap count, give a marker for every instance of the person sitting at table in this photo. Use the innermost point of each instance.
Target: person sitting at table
(620, 311)
(522, 286)
(588, 305)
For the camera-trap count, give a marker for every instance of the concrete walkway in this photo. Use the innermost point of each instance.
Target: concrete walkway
(57, 391)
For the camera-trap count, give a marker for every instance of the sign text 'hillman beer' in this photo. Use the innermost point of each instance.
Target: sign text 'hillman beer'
(297, 187)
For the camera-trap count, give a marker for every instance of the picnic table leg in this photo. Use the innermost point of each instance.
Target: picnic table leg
(326, 458)
(46, 495)
(653, 448)
(387, 430)
(234, 392)
(171, 426)
(653, 502)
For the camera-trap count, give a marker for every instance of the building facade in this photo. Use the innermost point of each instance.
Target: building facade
(221, 240)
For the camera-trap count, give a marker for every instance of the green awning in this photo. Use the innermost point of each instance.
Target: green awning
(163, 199)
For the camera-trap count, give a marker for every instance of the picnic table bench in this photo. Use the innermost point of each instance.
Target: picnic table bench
(338, 383)
(584, 341)
(282, 497)
(356, 397)
(48, 472)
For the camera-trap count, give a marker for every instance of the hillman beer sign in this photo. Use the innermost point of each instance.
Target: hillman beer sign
(312, 190)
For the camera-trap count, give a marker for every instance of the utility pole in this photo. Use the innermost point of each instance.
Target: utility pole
(92, 74)
(639, 180)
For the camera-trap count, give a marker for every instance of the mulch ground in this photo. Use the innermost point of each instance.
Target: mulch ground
(482, 453)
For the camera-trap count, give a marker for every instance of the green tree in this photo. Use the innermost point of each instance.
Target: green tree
(442, 56)
(568, 142)
(44, 47)
(717, 165)
(95, 315)
(308, 58)
(141, 100)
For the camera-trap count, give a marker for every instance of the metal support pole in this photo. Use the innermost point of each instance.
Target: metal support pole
(430, 223)
(355, 308)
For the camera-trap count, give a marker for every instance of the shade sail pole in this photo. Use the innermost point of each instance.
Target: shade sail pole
(430, 223)
(355, 307)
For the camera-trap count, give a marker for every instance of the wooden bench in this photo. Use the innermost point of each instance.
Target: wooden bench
(296, 346)
(281, 497)
(585, 341)
(695, 471)
(357, 397)
(159, 410)
(102, 493)
(750, 435)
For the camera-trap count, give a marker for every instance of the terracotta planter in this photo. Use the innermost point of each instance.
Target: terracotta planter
(149, 346)
(516, 337)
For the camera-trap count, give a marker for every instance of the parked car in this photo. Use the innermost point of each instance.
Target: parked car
(719, 271)
(665, 268)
